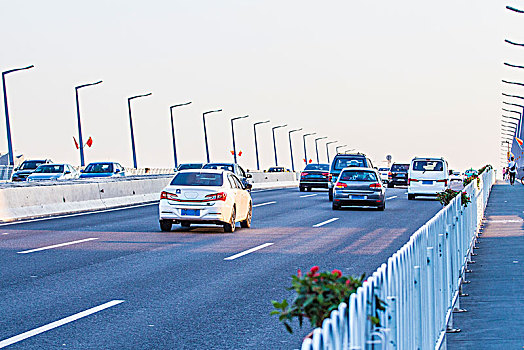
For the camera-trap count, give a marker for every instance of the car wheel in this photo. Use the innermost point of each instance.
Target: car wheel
(335, 206)
(230, 226)
(302, 189)
(391, 185)
(330, 195)
(185, 224)
(165, 225)
(382, 207)
(411, 196)
(247, 223)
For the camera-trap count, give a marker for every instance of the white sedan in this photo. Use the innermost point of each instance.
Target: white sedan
(456, 176)
(205, 196)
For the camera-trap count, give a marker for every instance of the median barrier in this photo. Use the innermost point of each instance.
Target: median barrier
(32, 200)
(420, 285)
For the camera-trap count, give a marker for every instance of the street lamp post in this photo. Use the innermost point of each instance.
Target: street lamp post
(233, 135)
(316, 146)
(338, 147)
(6, 109)
(275, 142)
(305, 148)
(131, 126)
(291, 147)
(205, 130)
(173, 129)
(80, 139)
(327, 148)
(256, 143)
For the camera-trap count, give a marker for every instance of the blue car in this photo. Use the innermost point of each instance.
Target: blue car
(102, 169)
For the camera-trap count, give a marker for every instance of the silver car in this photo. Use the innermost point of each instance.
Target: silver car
(53, 172)
(360, 187)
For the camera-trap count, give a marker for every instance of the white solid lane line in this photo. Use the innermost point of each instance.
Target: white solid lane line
(245, 252)
(308, 195)
(28, 334)
(391, 197)
(56, 246)
(262, 204)
(325, 222)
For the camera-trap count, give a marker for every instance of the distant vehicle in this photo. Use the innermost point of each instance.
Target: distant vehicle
(205, 197)
(456, 176)
(359, 186)
(427, 177)
(314, 176)
(398, 175)
(345, 160)
(471, 172)
(187, 166)
(27, 167)
(232, 167)
(277, 169)
(102, 169)
(384, 174)
(56, 172)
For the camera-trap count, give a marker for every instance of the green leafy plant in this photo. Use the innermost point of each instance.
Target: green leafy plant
(318, 293)
(465, 199)
(445, 197)
(484, 168)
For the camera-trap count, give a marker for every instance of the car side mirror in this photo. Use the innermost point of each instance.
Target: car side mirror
(117, 171)
(67, 172)
(81, 170)
(16, 169)
(450, 172)
(248, 187)
(249, 176)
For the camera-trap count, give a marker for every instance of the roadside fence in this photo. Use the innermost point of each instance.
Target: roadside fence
(5, 172)
(420, 285)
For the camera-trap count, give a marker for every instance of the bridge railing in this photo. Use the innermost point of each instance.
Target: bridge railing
(420, 284)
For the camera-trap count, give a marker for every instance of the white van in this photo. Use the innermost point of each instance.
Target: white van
(427, 177)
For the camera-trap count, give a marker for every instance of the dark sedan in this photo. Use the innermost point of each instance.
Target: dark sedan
(314, 176)
(360, 187)
(398, 175)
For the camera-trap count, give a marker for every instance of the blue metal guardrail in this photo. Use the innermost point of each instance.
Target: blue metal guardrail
(5, 172)
(420, 283)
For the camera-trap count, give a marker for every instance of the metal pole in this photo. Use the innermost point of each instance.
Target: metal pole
(131, 127)
(173, 130)
(205, 131)
(256, 144)
(305, 148)
(316, 146)
(233, 136)
(336, 148)
(6, 109)
(80, 137)
(275, 143)
(291, 148)
(327, 148)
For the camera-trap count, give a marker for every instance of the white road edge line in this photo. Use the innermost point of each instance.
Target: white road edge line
(78, 214)
(28, 334)
(391, 197)
(245, 252)
(325, 222)
(308, 195)
(56, 246)
(262, 204)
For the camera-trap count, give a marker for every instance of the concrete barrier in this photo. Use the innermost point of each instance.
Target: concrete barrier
(33, 200)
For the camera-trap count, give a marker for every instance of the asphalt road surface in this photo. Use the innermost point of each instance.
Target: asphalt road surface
(113, 280)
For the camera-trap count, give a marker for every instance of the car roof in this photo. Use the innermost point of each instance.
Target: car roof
(212, 171)
(350, 155)
(359, 168)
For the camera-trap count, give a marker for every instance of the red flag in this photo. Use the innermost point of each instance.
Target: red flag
(89, 142)
(310, 160)
(304, 159)
(240, 154)
(76, 143)
(232, 153)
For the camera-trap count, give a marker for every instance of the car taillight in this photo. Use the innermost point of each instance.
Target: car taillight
(412, 180)
(325, 174)
(444, 181)
(330, 177)
(304, 174)
(167, 195)
(375, 185)
(217, 196)
(389, 174)
(341, 185)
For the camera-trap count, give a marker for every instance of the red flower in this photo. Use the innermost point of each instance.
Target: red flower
(299, 273)
(337, 273)
(314, 269)
(347, 283)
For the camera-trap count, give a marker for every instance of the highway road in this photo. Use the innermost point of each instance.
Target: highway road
(113, 280)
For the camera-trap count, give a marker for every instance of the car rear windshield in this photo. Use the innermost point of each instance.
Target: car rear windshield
(428, 165)
(228, 167)
(197, 179)
(345, 162)
(400, 167)
(189, 166)
(324, 167)
(383, 169)
(99, 168)
(30, 165)
(356, 175)
(50, 169)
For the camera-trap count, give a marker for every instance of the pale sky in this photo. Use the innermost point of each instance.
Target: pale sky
(406, 78)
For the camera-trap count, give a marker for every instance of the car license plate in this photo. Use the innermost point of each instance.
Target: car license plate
(425, 182)
(190, 212)
(357, 197)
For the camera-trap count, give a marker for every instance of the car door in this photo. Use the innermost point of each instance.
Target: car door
(241, 198)
(235, 192)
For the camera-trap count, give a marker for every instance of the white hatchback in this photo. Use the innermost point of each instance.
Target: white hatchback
(205, 196)
(427, 177)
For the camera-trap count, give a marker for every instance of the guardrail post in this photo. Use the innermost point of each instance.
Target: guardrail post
(442, 283)
(418, 308)
(431, 295)
(391, 318)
